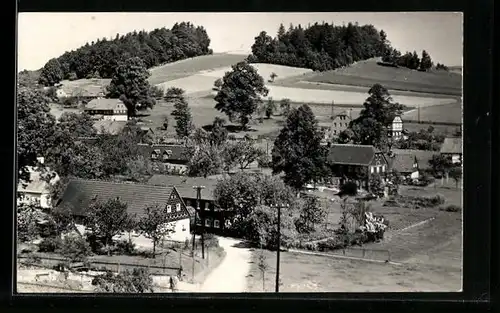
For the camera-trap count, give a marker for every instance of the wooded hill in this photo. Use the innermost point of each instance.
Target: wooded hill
(99, 59)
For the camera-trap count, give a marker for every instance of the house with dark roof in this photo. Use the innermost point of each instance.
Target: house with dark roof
(208, 217)
(107, 109)
(452, 148)
(173, 157)
(349, 162)
(80, 194)
(405, 164)
(422, 157)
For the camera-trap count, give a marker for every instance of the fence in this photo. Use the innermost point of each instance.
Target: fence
(359, 253)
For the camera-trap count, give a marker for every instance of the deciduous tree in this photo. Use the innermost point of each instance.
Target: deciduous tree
(51, 73)
(218, 135)
(181, 113)
(74, 248)
(153, 225)
(107, 219)
(426, 62)
(240, 93)
(456, 174)
(297, 150)
(241, 153)
(130, 84)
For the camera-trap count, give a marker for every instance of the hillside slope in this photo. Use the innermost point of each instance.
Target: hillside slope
(367, 73)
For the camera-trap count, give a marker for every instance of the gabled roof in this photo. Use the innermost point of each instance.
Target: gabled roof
(452, 145)
(349, 154)
(422, 156)
(80, 193)
(105, 104)
(403, 163)
(112, 127)
(185, 185)
(176, 152)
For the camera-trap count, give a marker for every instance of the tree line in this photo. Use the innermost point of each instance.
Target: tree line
(99, 59)
(320, 46)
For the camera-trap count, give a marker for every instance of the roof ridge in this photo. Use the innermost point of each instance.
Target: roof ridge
(116, 182)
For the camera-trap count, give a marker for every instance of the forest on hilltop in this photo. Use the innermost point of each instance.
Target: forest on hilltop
(99, 59)
(323, 47)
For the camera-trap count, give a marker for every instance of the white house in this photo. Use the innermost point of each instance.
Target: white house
(396, 128)
(107, 109)
(80, 193)
(37, 191)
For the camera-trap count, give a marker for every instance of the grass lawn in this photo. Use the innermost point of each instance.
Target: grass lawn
(310, 273)
(187, 67)
(367, 73)
(445, 113)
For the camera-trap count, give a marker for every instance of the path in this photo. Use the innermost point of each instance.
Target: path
(230, 275)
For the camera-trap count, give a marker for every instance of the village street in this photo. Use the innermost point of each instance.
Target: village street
(230, 275)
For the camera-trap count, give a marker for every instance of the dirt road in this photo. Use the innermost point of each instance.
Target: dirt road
(230, 275)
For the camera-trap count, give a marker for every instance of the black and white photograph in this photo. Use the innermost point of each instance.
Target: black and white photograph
(239, 152)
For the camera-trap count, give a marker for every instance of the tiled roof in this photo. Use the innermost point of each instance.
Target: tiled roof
(452, 145)
(422, 156)
(105, 104)
(80, 193)
(112, 127)
(176, 152)
(185, 185)
(349, 154)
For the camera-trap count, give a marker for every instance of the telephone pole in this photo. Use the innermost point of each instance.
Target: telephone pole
(278, 206)
(333, 103)
(202, 217)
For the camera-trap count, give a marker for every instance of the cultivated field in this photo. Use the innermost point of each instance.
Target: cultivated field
(192, 66)
(366, 73)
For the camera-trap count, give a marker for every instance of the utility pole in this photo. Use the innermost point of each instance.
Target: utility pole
(418, 112)
(333, 103)
(278, 206)
(198, 198)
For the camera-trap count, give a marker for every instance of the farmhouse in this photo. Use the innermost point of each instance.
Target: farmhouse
(81, 94)
(422, 156)
(336, 126)
(355, 163)
(80, 194)
(207, 214)
(37, 190)
(173, 157)
(452, 148)
(404, 163)
(107, 109)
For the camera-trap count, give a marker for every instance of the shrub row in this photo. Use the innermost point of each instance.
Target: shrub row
(416, 201)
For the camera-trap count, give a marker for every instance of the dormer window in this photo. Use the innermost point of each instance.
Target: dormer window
(169, 209)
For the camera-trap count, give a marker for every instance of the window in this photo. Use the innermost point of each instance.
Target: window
(207, 206)
(207, 222)
(335, 131)
(372, 170)
(178, 207)
(169, 208)
(216, 224)
(334, 124)
(153, 155)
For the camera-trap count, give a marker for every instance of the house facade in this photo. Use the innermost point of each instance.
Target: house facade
(207, 216)
(80, 194)
(332, 129)
(396, 128)
(452, 148)
(107, 109)
(37, 191)
(349, 162)
(405, 164)
(173, 157)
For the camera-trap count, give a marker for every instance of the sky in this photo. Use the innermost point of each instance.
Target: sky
(42, 36)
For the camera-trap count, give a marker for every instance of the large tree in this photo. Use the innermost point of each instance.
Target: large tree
(240, 93)
(218, 134)
(205, 159)
(51, 73)
(181, 113)
(241, 153)
(107, 219)
(130, 84)
(311, 214)
(153, 225)
(297, 150)
(35, 127)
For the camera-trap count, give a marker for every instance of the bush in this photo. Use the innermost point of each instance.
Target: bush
(49, 244)
(75, 248)
(451, 208)
(47, 230)
(137, 281)
(124, 247)
(421, 202)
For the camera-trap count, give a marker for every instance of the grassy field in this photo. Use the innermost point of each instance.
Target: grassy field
(310, 273)
(367, 73)
(188, 67)
(445, 113)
